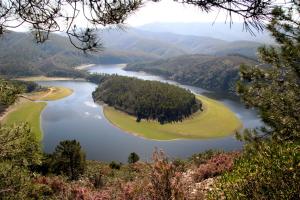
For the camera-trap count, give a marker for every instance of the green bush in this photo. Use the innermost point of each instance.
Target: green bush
(115, 165)
(133, 158)
(265, 171)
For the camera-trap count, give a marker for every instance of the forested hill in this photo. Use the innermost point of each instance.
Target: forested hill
(218, 73)
(150, 100)
(21, 56)
(165, 45)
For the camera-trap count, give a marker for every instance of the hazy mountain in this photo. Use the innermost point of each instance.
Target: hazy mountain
(217, 73)
(21, 56)
(164, 45)
(216, 30)
(134, 40)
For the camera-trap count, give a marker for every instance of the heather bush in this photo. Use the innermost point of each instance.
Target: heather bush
(201, 158)
(165, 182)
(218, 164)
(180, 165)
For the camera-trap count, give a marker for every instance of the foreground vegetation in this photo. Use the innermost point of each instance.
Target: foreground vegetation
(66, 175)
(150, 100)
(216, 120)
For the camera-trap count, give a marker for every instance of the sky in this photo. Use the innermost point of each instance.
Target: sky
(165, 11)
(170, 11)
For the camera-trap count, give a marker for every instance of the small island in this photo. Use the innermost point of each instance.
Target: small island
(161, 111)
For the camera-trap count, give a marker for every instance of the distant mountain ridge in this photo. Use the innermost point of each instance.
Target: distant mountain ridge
(218, 73)
(166, 45)
(219, 30)
(21, 56)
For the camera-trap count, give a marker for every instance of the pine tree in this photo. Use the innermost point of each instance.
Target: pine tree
(274, 88)
(269, 166)
(133, 158)
(69, 159)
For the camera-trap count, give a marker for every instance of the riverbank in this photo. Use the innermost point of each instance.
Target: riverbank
(27, 109)
(51, 94)
(215, 121)
(45, 78)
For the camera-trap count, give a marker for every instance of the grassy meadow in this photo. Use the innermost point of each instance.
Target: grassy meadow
(216, 120)
(28, 110)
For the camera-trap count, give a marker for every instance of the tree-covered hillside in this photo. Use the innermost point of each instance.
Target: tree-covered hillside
(166, 45)
(217, 73)
(151, 100)
(21, 56)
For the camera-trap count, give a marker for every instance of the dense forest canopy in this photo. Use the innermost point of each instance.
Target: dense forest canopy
(217, 73)
(151, 100)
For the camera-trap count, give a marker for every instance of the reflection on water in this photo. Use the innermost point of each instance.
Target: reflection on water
(78, 117)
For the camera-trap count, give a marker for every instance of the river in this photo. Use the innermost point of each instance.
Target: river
(78, 117)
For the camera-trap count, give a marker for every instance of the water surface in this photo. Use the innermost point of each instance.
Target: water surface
(78, 117)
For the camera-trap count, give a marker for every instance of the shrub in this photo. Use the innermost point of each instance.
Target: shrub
(215, 166)
(180, 165)
(133, 158)
(165, 182)
(115, 165)
(203, 157)
(14, 181)
(268, 171)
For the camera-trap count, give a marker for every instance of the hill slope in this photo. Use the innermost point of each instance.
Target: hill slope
(21, 56)
(217, 73)
(218, 30)
(166, 45)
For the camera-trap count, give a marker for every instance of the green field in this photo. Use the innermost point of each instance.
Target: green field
(215, 121)
(27, 112)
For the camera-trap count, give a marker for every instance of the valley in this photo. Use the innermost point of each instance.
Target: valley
(149, 100)
(78, 117)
